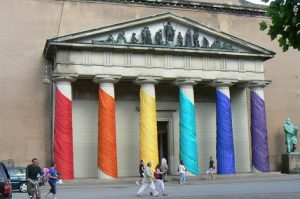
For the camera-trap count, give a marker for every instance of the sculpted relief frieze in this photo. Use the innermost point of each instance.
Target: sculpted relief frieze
(165, 33)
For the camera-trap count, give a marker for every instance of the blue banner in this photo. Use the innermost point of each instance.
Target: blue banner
(225, 148)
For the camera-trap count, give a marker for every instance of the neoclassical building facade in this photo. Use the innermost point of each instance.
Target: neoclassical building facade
(97, 85)
(168, 87)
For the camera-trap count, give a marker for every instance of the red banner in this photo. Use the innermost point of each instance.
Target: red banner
(63, 139)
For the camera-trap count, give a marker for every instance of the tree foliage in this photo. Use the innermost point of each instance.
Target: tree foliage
(285, 23)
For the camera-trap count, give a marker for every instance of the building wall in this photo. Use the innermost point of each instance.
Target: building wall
(25, 101)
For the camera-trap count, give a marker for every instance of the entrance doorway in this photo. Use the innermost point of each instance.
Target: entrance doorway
(162, 138)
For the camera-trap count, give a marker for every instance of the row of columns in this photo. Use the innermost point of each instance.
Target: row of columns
(107, 149)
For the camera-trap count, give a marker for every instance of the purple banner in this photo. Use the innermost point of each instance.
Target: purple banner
(259, 134)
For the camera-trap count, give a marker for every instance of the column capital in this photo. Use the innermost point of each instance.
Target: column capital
(223, 82)
(68, 77)
(183, 81)
(106, 78)
(147, 80)
(257, 83)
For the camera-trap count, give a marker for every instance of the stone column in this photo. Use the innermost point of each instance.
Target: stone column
(259, 134)
(225, 144)
(63, 132)
(107, 147)
(148, 121)
(188, 135)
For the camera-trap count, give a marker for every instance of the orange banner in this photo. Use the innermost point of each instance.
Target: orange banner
(107, 151)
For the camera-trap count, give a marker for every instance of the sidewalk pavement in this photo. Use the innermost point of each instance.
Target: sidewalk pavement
(173, 180)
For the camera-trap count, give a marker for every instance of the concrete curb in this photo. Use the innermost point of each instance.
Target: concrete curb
(191, 179)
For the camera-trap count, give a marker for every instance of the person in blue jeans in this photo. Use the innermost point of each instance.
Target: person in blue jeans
(182, 172)
(52, 179)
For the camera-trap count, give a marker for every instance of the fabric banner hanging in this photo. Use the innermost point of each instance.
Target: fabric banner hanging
(259, 134)
(225, 147)
(148, 129)
(107, 150)
(63, 139)
(188, 136)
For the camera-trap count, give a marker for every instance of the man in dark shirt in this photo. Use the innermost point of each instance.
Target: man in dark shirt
(32, 172)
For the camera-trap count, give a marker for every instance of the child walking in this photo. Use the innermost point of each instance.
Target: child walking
(52, 179)
(182, 174)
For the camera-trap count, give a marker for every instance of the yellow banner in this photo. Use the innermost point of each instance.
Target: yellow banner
(148, 129)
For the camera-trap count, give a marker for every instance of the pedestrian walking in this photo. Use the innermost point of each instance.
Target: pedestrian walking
(148, 182)
(211, 168)
(158, 174)
(182, 172)
(164, 168)
(141, 171)
(52, 179)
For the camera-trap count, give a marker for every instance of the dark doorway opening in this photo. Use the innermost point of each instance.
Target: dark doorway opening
(162, 138)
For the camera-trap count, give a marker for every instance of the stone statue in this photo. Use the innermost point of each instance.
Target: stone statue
(205, 43)
(179, 40)
(110, 39)
(291, 138)
(196, 39)
(133, 39)
(188, 38)
(216, 44)
(170, 33)
(227, 46)
(121, 38)
(146, 36)
(158, 37)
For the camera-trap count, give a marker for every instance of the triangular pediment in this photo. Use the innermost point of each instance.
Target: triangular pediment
(165, 30)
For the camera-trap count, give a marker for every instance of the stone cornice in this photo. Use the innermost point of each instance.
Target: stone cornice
(52, 46)
(212, 7)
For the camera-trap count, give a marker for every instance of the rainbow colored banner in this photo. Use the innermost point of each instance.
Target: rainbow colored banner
(148, 129)
(107, 147)
(225, 147)
(63, 137)
(259, 134)
(188, 136)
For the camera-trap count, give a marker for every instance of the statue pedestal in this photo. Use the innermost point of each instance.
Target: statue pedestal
(291, 163)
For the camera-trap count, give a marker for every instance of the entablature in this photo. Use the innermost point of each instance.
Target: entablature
(134, 60)
(164, 44)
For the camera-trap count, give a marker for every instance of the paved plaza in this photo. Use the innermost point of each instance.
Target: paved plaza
(258, 186)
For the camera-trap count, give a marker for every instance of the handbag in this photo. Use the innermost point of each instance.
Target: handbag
(157, 175)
